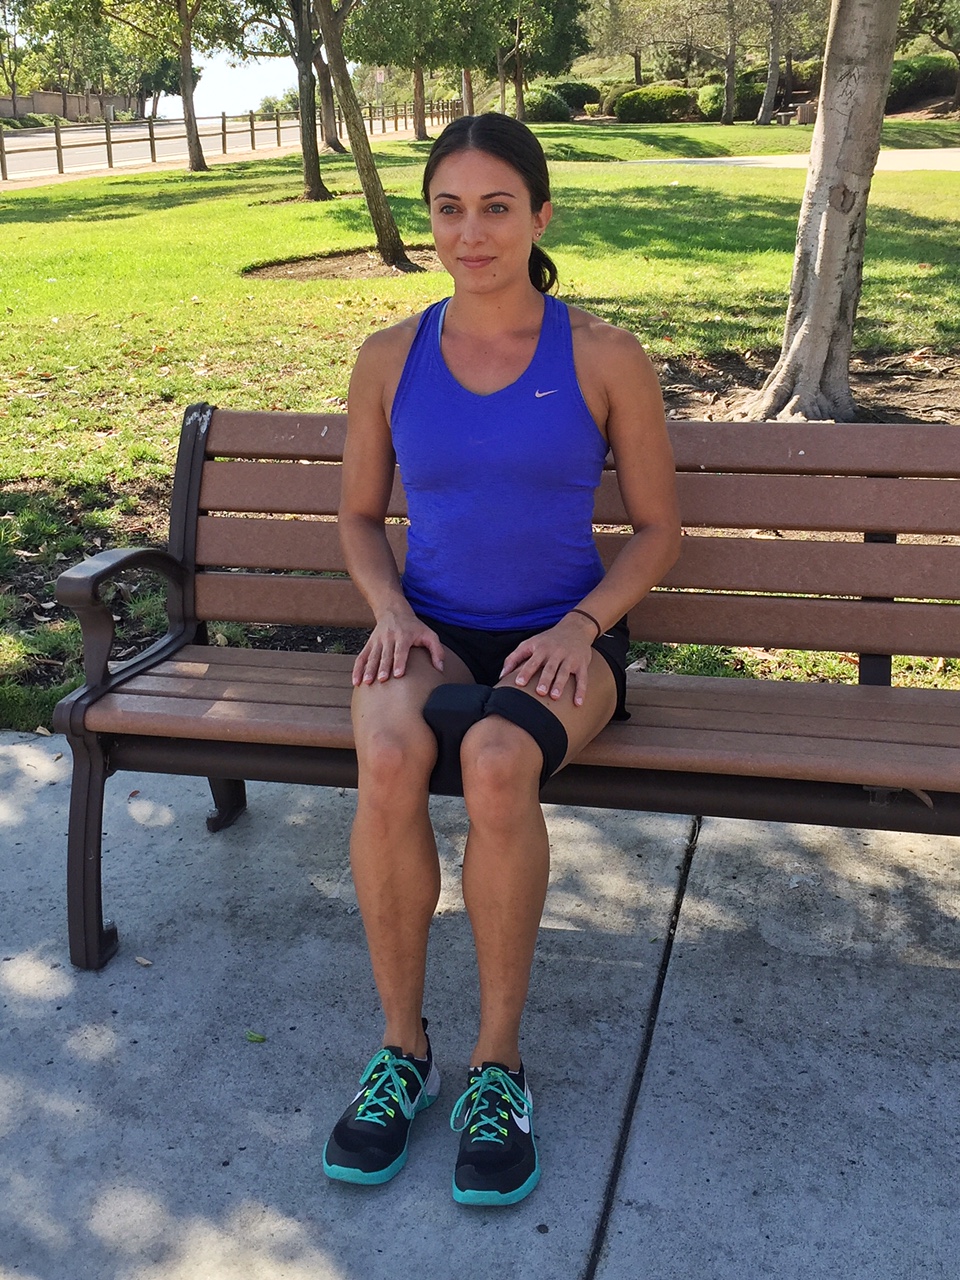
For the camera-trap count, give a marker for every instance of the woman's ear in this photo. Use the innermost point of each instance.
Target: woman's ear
(541, 219)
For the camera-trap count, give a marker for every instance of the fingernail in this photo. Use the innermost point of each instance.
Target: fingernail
(521, 680)
(541, 688)
(397, 671)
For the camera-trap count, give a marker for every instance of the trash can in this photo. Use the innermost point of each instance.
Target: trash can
(806, 112)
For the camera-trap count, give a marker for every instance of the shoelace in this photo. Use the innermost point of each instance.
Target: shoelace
(479, 1110)
(387, 1087)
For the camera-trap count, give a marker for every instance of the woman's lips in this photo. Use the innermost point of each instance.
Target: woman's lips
(474, 263)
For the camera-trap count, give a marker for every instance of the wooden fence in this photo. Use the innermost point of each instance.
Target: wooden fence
(257, 131)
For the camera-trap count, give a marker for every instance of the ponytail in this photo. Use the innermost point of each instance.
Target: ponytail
(543, 271)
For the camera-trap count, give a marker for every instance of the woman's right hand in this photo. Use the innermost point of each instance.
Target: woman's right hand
(386, 652)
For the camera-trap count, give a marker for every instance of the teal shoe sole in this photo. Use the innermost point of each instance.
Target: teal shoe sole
(359, 1178)
(496, 1197)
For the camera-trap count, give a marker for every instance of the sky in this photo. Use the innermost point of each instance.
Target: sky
(234, 90)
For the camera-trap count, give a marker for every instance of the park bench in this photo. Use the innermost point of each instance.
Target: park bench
(807, 536)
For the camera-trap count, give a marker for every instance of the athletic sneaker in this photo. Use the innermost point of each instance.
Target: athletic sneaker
(497, 1163)
(369, 1141)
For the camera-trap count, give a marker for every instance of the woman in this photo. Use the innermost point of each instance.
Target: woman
(500, 405)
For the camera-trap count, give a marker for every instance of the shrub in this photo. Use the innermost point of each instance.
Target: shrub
(576, 94)
(655, 105)
(544, 105)
(914, 79)
(807, 74)
(609, 103)
(746, 100)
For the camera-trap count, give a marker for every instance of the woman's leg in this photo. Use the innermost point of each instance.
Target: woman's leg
(393, 853)
(507, 860)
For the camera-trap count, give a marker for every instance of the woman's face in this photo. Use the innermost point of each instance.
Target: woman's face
(482, 222)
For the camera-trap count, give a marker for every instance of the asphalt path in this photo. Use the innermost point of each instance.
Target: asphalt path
(31, 153)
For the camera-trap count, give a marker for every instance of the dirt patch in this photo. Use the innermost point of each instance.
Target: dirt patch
(920, 386)
(365, 265)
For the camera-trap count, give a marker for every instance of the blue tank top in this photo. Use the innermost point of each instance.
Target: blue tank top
(500, 487)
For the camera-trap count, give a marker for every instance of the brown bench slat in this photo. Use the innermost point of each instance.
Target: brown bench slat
(839, 503)
(806, 567)
(279, 488)
(843, 504)
(732, 751)
(314, 545)
(274, 598)
(308, 693)
(273, 666)
(839, 626)
(846, 626)
(879, 703)
(238, 434)
(816, 447)
(158, 716)
(792, 448)
(735, 564)
(692, 716)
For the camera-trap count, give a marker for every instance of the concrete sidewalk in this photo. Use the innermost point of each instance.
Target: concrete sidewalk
(795, 1114)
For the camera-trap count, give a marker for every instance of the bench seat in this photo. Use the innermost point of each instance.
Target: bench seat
(860, 734)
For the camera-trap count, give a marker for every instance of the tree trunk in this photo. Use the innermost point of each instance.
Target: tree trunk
(518, 84)
(502, 78)
(389, 244)
(328, 106)
(314, 187)
(811, 379)
(955, 104)
(466, 82)
(637, 69)
(196, 162)
(419, 104)
(730, 67)
(787, 78)
(765, 114)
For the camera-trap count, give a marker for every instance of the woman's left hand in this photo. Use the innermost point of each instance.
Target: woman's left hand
(554, 657)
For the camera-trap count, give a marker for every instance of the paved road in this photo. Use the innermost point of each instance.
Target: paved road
(32, 152)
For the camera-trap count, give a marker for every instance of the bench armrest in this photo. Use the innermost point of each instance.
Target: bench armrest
(79, 589)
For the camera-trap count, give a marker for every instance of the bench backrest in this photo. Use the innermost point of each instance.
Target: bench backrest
(865, 518)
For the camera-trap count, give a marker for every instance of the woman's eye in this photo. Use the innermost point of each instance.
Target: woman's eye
(447, 208)
(498, 208)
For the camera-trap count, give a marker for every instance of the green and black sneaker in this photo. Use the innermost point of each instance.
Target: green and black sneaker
(369, 1141)
(497, 1163)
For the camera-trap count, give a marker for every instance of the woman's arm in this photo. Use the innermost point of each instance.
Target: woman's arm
(621, 390)
(368, 469)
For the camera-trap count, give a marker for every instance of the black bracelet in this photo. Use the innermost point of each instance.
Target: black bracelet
(583, 613)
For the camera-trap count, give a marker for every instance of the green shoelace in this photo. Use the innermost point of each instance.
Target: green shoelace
(387, 1089)
(480, 1111)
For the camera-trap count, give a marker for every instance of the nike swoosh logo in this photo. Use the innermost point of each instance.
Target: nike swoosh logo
(540, 394)
(522, 1122)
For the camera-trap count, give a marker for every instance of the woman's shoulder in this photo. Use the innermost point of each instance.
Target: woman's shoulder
(391, 344)
(605, 348)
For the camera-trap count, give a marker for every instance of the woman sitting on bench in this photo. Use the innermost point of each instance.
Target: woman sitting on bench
(501, 651)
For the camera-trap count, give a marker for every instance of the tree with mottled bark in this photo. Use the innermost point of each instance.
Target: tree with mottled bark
(811, 379)
(389, 244)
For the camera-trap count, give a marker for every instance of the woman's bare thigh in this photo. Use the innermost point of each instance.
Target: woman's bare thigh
(398, 703)
(583, 723)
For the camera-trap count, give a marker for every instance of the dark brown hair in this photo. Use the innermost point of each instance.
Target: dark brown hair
(508, 140)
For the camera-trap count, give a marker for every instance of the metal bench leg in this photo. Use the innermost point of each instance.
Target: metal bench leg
(230, 799)
(92, 941)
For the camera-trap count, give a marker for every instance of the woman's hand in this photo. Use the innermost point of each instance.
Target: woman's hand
(554, 657)
(386, 652)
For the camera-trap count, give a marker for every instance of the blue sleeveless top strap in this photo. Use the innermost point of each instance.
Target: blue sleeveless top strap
(499, 487)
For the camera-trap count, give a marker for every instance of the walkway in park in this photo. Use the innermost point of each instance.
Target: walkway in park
(770, 1092)
(942, 158)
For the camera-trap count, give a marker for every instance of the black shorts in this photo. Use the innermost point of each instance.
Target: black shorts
(483, 652)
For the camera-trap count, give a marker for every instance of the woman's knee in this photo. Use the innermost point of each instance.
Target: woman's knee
(396, 759)
(501, 765)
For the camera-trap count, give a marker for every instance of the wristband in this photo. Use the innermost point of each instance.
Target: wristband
(583, 613)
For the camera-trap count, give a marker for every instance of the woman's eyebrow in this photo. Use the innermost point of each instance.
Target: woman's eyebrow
(448, 195)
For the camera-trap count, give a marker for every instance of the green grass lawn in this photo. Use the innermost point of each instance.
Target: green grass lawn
(124, 299)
